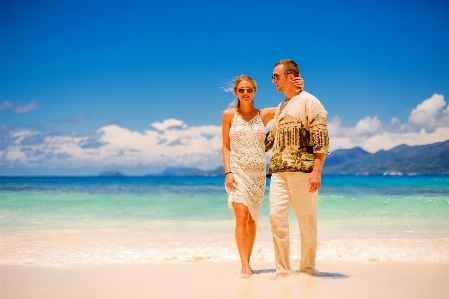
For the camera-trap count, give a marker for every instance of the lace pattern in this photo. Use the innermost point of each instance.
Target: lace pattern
(247, 163)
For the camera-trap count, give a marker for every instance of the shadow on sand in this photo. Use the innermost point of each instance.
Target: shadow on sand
(328, 275)
(261, 271)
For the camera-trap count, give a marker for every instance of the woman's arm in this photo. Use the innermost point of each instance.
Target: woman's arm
(226, 145)
(227, 118)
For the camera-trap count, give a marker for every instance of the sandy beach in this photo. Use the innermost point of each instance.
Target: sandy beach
(221, 280)
(144, 237)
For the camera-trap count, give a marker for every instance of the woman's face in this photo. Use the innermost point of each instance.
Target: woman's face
(245, 92)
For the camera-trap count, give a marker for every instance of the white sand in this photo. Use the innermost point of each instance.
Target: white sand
(220, 280)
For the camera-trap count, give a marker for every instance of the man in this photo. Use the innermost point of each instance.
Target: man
(299, 140)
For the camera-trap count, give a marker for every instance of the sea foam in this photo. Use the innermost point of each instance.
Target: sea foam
(62, 248)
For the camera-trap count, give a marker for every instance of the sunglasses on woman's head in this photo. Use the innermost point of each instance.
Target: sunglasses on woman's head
(248, 90)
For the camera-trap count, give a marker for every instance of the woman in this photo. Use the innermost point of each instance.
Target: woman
(243, 151)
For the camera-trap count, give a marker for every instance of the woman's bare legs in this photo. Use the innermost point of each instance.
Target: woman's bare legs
(245, 234)
(251, 235)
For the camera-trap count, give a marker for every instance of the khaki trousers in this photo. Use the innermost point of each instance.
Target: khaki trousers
(289, 188)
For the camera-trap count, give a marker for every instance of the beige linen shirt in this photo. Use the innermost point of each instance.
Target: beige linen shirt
(299, 131)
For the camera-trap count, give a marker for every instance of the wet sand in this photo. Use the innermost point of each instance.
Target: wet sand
(221, 280)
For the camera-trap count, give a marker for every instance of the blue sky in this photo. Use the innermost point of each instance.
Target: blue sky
(137, 86)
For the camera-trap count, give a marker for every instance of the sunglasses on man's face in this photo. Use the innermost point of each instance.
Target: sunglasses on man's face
(277, 76)
(248, 90)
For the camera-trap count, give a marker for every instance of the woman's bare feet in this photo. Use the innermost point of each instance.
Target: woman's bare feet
(246, 272)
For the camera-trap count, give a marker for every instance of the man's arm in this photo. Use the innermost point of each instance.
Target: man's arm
(314, 181)
(267, 114)
(269, 140)
(320, 139)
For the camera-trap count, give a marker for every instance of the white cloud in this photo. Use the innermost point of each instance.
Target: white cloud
(430, 112)
(169, 123)
(334, 126)
(6, 105)
(368, 126)
(388, 140)
(341, 142)
(428, 123)
(174, 143)
(19, 108)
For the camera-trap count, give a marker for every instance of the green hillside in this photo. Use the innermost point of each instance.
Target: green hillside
(403, 159)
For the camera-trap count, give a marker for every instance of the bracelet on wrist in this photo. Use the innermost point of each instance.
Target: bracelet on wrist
(228, 172)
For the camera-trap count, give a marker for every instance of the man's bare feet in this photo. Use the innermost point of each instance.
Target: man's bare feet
(311, 272)
(279, 275)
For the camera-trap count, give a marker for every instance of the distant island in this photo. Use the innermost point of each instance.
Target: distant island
(401, 160)
(111, 173)
(190, 171)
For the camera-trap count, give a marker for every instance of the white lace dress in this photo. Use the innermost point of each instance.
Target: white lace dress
(247, 140)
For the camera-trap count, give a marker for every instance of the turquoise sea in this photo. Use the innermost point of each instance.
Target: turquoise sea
(62, 221)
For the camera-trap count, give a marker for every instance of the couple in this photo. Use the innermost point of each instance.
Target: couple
(299, 141)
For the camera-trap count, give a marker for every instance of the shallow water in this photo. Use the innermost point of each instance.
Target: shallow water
(95, 220)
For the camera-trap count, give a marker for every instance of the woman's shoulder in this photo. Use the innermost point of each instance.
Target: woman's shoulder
(228, 114)
(229, 111)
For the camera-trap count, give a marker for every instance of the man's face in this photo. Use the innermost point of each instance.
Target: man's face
(279, 78)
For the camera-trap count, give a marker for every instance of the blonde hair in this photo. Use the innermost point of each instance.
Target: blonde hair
(237, 82)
